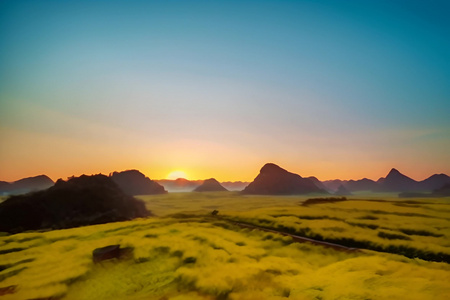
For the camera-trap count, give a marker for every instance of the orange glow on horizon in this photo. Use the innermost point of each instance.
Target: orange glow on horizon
(176, 174)
(62, 156)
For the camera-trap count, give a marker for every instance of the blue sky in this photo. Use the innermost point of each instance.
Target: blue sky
(218, 88)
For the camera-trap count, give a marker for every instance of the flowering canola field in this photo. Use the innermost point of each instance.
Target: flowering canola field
(186, 253)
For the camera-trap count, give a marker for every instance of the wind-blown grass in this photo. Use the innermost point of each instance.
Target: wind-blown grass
(186, 253)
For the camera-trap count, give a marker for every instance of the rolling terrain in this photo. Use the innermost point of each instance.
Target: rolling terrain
(185, 252)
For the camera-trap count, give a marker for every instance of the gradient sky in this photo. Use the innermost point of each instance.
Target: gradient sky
(334, 89)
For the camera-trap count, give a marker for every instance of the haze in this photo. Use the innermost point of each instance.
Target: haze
(325, 88)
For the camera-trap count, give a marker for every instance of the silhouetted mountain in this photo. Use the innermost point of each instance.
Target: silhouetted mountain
(434, 182)
(133, 183)
(180, 184)
(342, 191)
(210, 185)
(317, 182)
(273, 180)
(360, 185)
(393, 182)
(26, 185)
(396, 182)
(443, 191)
(80, 201)
(380, 180)
(234, 185)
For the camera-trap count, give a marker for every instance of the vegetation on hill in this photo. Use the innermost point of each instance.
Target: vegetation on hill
(80, 201)
(133, 182)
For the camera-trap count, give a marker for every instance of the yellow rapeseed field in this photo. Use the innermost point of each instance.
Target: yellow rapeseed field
(185, 253)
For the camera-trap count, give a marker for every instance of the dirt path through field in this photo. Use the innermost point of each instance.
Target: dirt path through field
(300, 239)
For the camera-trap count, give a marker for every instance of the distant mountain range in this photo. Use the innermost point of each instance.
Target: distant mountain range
(393, 182)
(133, 182)
(185, 185)
(179, 185)
(26, 185)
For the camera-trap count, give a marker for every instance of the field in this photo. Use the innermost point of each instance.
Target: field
(401, 251)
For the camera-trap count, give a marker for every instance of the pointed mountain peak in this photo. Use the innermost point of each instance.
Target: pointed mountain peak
(397, 182)
(394, 171)
(211, 180)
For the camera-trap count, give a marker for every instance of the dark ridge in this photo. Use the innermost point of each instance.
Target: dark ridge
(323, 200)
(80, 201)
(393, 182)
(434, 182)
(393, 236)
(133, 182)
(273, 180)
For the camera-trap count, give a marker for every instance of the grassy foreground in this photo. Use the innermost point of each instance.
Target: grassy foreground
(185, 253)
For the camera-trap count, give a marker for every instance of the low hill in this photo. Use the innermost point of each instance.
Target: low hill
(210, 185)
(133, 183)
(273, 180)
(80, 201)
(26, 185)
(434, 182)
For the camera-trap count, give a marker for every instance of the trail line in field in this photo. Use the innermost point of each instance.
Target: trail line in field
(300, 239)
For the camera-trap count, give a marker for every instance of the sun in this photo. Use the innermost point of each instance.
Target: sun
(177, 174)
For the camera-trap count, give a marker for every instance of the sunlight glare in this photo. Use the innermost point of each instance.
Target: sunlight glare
(176, 174)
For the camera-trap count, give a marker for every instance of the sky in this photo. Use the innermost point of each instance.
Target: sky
(332, 89)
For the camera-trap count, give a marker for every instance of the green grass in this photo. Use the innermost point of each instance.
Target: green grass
(185, 253)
